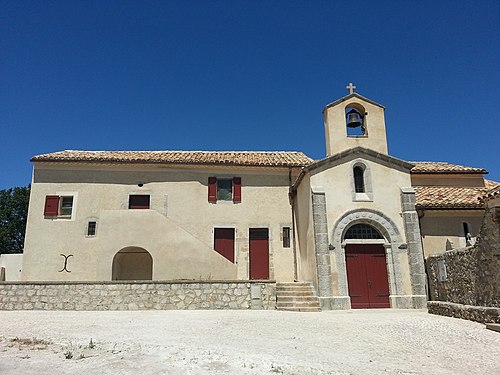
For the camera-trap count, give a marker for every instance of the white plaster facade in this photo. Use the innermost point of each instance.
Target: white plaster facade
(177, 230)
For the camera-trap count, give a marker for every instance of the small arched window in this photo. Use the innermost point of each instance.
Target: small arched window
(359, 180)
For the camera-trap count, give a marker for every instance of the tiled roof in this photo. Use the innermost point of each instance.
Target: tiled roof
(451, 197)
(490, 184)
(424, 167)
(243, 158)
(492, 193)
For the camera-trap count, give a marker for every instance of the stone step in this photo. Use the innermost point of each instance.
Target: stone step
(295, 293)
(297, 299)
(302, 309)
(298, 302)
(493, 326)
(289, 291)
(293, 283)
(295, 289)
(300, 297)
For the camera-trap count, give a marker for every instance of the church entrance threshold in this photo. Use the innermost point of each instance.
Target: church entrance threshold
(367, 276)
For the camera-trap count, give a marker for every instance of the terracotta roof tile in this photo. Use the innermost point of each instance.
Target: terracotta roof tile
(243, 158)
(490, 194)
(449, 197)
(424, 167)
(490, 184)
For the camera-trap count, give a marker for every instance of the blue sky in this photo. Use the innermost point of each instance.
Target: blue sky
(245, 75)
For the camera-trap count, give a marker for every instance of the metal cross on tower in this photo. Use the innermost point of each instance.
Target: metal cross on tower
(350, 87)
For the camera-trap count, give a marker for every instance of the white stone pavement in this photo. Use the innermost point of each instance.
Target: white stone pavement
(244, 342)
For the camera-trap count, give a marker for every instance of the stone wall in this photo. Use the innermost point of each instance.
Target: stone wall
(457, 310)
(462, 280)
(138, 295)
(452, 276)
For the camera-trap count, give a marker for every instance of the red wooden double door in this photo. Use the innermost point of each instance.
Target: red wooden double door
(367, 276)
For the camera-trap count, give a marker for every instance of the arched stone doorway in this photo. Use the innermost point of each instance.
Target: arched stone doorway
(132, 263)
(389, 244)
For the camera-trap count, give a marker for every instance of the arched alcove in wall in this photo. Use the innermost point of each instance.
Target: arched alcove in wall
(132, 263)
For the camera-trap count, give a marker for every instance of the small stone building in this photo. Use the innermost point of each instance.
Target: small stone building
(355, 224)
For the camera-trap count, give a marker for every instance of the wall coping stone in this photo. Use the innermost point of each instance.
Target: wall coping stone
(137, 282)
(453, 251)
(481, 314)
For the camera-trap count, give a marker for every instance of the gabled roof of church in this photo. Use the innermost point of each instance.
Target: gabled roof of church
(355, 152)
(242, 158)
(431, 167)
(353, 95)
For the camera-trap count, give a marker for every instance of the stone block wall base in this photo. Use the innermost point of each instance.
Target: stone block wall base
(408, 302)
(479, 314)
(138, 295)
(335, 303)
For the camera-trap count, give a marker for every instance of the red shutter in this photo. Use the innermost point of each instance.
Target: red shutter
(224, 242)
(51, 205)
(212, 189)
(237, 189)
(138, 202)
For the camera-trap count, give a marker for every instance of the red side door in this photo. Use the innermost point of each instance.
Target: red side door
(259, 254)
(367, 276)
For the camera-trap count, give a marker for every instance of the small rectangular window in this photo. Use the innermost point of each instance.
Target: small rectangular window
(286, 236)
(224, 242)
(66, 206)
(224, 189)
(138, 202)
(466, 229)
(91, 228)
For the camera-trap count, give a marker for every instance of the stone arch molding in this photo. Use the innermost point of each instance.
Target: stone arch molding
(366, 216)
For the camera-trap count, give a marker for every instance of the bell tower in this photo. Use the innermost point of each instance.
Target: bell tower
(354, 121)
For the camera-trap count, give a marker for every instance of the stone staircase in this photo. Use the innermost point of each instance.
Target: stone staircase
(296, 297)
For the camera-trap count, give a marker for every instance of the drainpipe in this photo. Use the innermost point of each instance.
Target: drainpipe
(292, 193)
(291, 197)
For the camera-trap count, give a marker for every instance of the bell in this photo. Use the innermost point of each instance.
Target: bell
(354, 119)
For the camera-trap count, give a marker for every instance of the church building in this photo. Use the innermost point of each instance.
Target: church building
(356, 224)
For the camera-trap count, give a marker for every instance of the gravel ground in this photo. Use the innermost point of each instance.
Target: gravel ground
(244, 342)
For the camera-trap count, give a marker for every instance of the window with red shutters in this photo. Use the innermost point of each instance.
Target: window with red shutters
(138, 202)
(51, 205)
(224, 189)
(224, 242)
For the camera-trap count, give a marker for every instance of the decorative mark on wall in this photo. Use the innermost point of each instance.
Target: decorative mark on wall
(66, 257)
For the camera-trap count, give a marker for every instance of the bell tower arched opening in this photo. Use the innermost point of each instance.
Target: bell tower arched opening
(355, 120)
